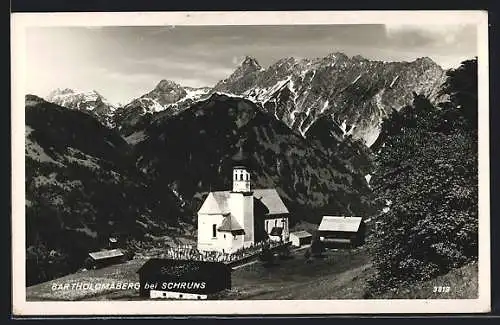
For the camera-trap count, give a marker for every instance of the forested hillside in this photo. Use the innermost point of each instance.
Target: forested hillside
(427, 176)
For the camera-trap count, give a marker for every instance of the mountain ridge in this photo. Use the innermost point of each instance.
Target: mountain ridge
(91, 102)
(357, 93)
(298, 91)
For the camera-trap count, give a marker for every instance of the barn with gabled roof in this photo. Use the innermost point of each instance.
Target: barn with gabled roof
(342, 230)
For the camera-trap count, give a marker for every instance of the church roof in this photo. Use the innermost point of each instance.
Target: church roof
(271, 200)
(217, 202)
(230, 224)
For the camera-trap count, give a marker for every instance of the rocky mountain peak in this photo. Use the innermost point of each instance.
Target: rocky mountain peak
(426, 62)
(250, 62)
(62, 91)
(337, 55)
(91, 102)
(167, 85)
(358, 57)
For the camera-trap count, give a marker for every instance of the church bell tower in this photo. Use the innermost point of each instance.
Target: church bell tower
(241, 199)
(241, 179)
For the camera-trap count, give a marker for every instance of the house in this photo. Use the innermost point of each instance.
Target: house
(299, 238)
(182, 279)
(234, 219)
(106, 257)
(335, 230)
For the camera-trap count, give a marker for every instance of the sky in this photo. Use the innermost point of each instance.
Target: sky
(123, 63)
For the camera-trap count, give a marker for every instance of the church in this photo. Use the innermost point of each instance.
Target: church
(235, 219)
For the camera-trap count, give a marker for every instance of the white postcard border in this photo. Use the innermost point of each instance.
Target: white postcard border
(21, 307)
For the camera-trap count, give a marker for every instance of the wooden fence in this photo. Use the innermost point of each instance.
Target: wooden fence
(189, 252)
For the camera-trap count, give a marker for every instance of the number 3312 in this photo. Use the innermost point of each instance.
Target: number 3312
(441, 289)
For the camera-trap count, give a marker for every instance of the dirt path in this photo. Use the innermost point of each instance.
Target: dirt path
(341, 274)
(295, 251)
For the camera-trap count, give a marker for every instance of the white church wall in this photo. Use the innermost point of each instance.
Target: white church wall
(237, 242)
(206, 238)
(241, 207)
(225, 242)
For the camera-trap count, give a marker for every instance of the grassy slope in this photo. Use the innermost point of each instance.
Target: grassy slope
(463, 283)
(341, 274)
(125, 272)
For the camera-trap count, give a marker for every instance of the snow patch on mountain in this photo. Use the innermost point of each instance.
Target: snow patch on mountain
(368, 177)
(343, 127)
(195, 93)
(394, 81)
(357, 78)
(325, 106)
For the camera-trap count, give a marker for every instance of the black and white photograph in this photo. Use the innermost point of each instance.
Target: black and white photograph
(178, 163)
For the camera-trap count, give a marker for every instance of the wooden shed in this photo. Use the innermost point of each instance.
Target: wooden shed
(341, 230)
(106, 257)
(299, 238)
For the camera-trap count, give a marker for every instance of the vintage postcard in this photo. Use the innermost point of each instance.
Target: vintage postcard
(231, 163)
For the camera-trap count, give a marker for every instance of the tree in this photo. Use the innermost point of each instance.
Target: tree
(317, 247)
(427, 169)
(461, 85)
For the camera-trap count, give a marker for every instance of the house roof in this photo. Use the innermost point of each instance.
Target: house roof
(337, 223)
(230, 224)
(217, 202)
(301, 234)
(106, 254)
